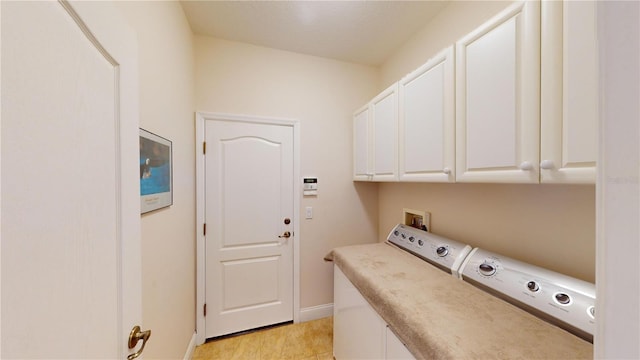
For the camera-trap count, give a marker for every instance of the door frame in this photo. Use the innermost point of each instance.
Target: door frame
(200, 119)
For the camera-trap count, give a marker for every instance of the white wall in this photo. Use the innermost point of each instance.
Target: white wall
(322, 94)
(618, 255)
(167, 108)
(521, 221)
(453, 22)
(539, 224)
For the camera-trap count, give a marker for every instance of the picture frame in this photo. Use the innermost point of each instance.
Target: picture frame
(156, 172)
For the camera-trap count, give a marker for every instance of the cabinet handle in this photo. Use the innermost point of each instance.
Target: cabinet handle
(526, 166)
(547, 164)
(446, 171)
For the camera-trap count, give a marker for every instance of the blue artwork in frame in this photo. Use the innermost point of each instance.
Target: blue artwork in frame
(155, 172)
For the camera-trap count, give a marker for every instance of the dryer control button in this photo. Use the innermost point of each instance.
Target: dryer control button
(533, 286)
(412, 239)
(487, 269)
(563, 298)
(442, 251)
(420, 242)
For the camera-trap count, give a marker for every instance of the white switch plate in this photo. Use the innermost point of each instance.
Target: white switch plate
(308, 212)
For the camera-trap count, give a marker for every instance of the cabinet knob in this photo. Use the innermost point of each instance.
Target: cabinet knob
(526, 166)
(446, 171)
(547, 164)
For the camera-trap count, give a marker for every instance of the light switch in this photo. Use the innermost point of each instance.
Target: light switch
(308, 212)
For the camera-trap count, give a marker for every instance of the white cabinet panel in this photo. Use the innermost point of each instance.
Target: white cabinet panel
(491, 99)
(395, 348)
(361, 145)
(569, 92)
(426, 121)
(375, 138)
(358, 331)
(497, 98)
(384, 114)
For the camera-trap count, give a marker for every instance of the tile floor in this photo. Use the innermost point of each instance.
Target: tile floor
(311, 340)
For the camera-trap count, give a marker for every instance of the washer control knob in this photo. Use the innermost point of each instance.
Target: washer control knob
(563, 298)
(533, 286)
(420, 242)
(592, 312)
(442, 251)
(396, 233)
(412, 239)
(403, 236)
(487, 269)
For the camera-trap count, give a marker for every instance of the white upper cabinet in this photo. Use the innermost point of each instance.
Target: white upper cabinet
(361, 145)
(375, 138)
(497, 98)
(427, 121)
(517, 104)
(569, 92)
(384, 118)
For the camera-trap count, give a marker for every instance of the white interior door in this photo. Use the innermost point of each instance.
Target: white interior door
(249, 195)
(70, 208)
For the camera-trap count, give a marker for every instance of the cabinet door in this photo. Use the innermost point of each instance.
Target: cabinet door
(358, 331)
(427, 122)
(384, 115)
(396, 350)
(569, 92)
(497, 98)
(361, 145)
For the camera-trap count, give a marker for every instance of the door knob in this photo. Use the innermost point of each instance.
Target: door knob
(286, 235)
(135, 336)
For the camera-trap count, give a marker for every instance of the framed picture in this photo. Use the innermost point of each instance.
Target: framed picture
(156, 168)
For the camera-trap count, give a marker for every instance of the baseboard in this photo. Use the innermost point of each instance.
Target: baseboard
(192, 346)
(316, 312)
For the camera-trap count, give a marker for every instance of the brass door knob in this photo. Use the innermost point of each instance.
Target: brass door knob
(135, 336)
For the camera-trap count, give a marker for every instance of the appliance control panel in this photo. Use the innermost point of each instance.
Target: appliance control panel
(560, 299)
(440, 251)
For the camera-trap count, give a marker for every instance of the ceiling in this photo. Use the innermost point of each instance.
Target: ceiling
(364, 32)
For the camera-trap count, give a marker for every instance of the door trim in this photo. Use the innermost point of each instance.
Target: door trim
(200, 119)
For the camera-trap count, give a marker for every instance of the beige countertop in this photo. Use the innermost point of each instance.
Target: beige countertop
(439, 317)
